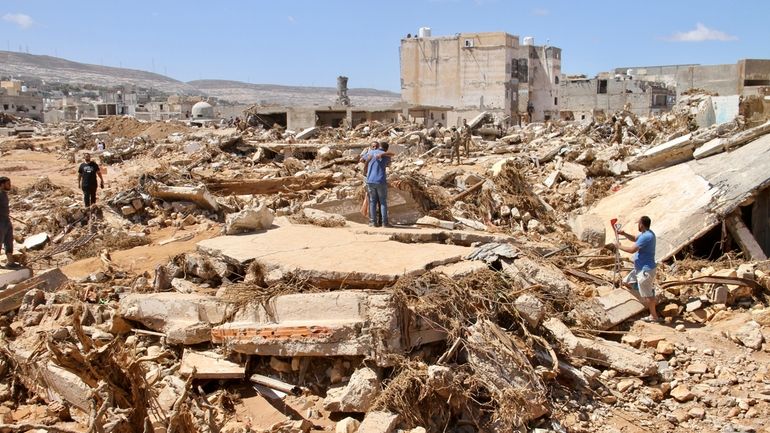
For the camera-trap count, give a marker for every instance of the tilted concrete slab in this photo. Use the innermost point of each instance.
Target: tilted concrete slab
(346, 322)
(332, 257)
(210, 365)
(687, 200)
(10, 299)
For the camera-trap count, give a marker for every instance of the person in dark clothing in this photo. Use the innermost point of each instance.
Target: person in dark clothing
(6, 227)
(87, 174)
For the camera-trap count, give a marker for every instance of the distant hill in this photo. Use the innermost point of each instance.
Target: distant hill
(271, 94)
(54, 69)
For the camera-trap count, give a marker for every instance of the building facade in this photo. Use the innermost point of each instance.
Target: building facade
(475, 72)
(17, 101)
(583, 98)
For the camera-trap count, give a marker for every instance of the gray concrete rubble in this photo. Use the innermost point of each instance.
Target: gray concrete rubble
(249, 220)
(183, 318)
(349, 323)
(357, 395)
(227, 279)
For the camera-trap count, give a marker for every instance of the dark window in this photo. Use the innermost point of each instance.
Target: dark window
(34, 107)
(442, 116)
(756, 83)
(431, 116)
(555, 101)
(556, 79)
(5, 106)
(523, 71)
(601, 87)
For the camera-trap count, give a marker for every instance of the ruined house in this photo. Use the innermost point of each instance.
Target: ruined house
(477, 72)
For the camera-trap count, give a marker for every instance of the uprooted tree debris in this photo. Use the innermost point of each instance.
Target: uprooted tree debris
(227, 282)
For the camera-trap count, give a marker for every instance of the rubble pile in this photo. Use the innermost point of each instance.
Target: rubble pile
(226, 282)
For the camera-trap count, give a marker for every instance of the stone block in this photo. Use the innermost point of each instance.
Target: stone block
(210, 365)
(619, 357)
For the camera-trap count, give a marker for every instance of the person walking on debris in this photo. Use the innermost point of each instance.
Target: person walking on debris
(455, 143)
(6, 227)
(87, 174)
(377, 161)
(642, 277)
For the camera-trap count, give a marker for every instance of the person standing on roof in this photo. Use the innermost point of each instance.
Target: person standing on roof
(642, 277)
(6, 226)
(87, 173)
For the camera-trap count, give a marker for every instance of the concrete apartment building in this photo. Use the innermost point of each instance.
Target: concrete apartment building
(469, 73)
(16, 100)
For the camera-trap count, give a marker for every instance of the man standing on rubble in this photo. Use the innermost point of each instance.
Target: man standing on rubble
(455, 143)
(6, 227)
(642, 277)
(377, 161)
(87, 174)
(465, 135)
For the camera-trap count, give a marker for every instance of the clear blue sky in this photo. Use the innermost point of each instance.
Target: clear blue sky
(310, 42)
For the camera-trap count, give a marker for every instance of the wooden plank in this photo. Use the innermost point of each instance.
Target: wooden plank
(744, 238)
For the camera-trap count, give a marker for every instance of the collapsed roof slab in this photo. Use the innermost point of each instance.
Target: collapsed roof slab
(687, 200)
(332, 257)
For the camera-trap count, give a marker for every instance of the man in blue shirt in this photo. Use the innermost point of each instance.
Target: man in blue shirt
(377, 183)
(643, 274)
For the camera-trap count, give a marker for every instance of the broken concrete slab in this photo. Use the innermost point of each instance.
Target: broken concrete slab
(590, 229)
(565, 337)
(50, 381)
(530, 272)
(339, 323)
(619, 357)
(685, 201)
(665, 155)
(619, 306)
(184, 318)
(249, 220)
(48, 281)
(719, 145)
(210, 365)
(337, 256)
(12, 276)
(196, 194)
(358, 395)
(435, 222)
(308, 133)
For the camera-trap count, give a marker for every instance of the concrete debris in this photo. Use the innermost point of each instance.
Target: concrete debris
(249, 220)
(183, 318)
(215, 252)
(358, 395)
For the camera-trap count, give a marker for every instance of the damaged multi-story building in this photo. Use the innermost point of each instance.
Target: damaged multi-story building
(17, 100)
(583, 98)
(476, 72)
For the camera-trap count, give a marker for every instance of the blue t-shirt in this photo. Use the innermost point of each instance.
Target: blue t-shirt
(376, 169)
(645, 257)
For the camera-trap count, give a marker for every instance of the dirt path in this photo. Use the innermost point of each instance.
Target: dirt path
(144, 258)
